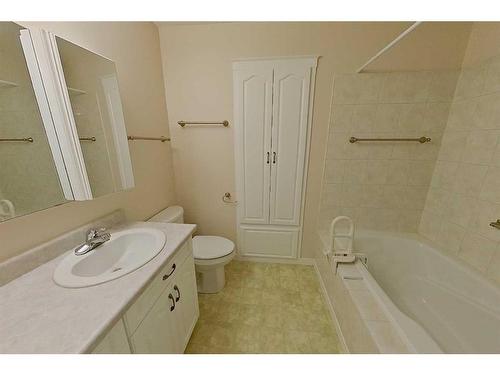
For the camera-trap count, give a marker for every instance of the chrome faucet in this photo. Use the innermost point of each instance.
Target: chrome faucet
(95, 238)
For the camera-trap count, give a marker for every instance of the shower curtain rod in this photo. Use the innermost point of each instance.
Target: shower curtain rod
(389, 46)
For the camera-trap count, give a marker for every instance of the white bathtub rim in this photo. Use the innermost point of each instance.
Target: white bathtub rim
(421, 341)
(383, 302)
(434, 247)
(453, 258)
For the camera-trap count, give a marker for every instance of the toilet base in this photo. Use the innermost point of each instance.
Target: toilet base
(210, 280)
(210, 275)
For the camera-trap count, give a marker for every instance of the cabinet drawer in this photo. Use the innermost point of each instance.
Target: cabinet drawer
(136, 313)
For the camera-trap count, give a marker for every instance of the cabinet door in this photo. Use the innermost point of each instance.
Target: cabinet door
(252, 115)
(158, 332)
(186, 297)
(289, 139)
(138, 311)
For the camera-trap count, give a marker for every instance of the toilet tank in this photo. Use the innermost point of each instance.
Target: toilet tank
(172, 214)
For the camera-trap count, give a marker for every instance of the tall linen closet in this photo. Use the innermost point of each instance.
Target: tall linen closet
(272, 117)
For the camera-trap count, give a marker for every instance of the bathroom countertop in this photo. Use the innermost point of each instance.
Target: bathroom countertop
(38, 316)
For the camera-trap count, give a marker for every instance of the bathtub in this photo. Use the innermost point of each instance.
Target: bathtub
(434, 303)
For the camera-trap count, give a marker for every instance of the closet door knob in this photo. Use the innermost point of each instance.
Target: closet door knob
(176, 288)
(171, 297)
(267, 158)
(274, 157)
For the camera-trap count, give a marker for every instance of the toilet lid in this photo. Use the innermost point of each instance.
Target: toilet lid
(211, 247)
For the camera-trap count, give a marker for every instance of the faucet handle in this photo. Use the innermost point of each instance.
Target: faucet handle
(94, 232)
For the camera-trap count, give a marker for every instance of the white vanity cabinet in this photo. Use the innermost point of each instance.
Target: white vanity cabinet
(160, 331)
(186, 301)
(163, 317)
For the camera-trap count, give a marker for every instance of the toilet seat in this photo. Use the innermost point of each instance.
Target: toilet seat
(211, 247)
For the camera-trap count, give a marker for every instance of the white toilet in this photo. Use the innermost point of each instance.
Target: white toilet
(211, 253)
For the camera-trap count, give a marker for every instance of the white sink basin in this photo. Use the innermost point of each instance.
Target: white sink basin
(125, 252)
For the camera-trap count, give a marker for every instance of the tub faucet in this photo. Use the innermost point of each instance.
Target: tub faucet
(95, 238)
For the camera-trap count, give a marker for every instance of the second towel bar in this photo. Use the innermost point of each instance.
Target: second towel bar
(136, 138)
(29, 139)
(224, 123)
(421, 139)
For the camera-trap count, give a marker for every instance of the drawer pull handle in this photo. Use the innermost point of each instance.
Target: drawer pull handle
(274, 157)
(166, 276)
(176, 288)
(171, 297)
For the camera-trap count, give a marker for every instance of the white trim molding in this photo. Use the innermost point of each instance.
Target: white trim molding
(51, 81)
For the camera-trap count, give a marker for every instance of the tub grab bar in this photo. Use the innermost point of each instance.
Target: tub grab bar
(349, 235)
(346, 254)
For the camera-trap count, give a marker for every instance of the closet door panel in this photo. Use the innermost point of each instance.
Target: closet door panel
(289, 137)
(268, 241)
(253, 110)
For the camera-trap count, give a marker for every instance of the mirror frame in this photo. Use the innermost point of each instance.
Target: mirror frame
(68, 157)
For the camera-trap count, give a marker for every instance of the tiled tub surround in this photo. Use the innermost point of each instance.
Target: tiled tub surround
(464, 195)
(265, 308)
(40, 317)
(384, 185)
(450, 201)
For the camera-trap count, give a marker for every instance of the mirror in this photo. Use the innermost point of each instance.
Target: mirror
(92, 89)
(29, 180)
(62, 130)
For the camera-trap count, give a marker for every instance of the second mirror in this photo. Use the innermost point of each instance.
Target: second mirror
(92, 87)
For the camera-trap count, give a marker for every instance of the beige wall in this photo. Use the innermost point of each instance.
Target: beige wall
(383, 186)
(483, 43)
(135, 49)
(198, 79)
(464, 196)
(431, 46)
